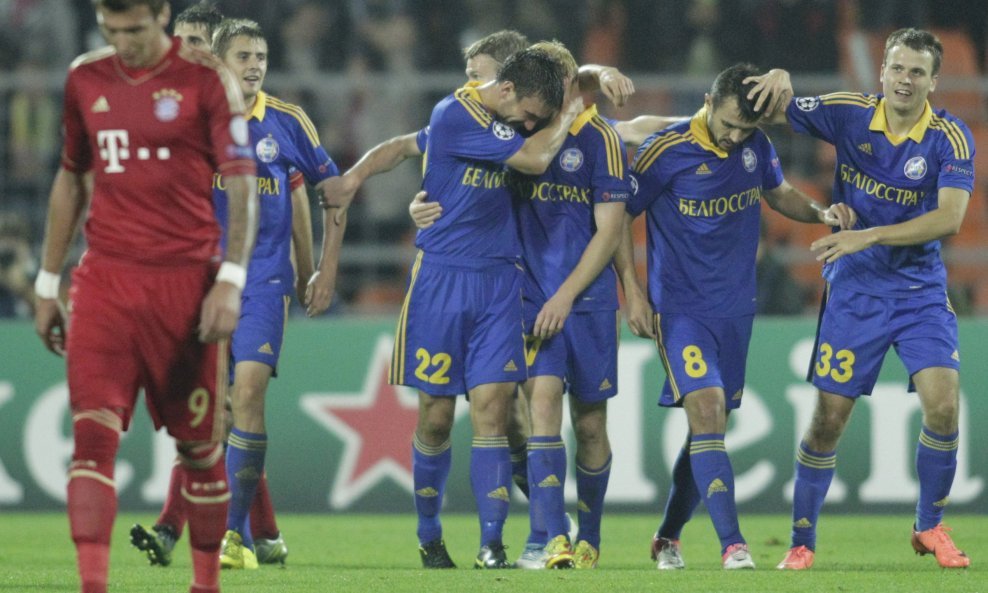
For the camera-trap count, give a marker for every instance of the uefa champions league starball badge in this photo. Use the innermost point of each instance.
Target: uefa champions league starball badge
(502, 131)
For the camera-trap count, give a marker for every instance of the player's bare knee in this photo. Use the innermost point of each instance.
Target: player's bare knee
(490, 421)
(825, 430)
(941, 416)
(590, 430)
(435, 420)
(706, 414)
(247, 401)
(518, 429)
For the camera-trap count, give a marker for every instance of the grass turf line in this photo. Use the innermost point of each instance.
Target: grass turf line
(377, 553)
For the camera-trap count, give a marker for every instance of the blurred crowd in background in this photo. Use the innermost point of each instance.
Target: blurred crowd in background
(366, 70)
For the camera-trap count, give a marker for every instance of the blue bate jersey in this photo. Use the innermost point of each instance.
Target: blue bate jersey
(703, 209)
(887, 179)
(556, 211)
(464, 172)
(284, 141)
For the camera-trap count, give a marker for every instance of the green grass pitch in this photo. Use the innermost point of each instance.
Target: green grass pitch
(377, 553)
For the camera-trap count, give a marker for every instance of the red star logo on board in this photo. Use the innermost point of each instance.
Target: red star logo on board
(376, 426)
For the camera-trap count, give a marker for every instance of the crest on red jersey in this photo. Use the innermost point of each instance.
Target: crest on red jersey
(166, 104)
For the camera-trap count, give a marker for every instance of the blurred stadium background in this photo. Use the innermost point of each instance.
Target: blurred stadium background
(366, 70)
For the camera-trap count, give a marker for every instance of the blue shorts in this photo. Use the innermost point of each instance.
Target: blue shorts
(260, 331)
(856, 330)
(702, 352)
(583, 355)
(460, 326)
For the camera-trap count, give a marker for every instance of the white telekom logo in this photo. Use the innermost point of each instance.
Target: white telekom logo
(114, 146)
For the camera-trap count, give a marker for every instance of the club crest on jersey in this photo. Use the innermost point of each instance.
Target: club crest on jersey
(502, 131)
(166, 104)
(808, 103)
(915, 168)
(267, 149)
(571, 159)
(749, 160)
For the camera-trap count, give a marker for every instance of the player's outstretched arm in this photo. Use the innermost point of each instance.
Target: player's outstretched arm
(636, 305)
(609, 219)
(302, 240)
(338, 192)
(936, 224)
(322, 285)
(634, 131)
(221, 307)
(773, 91)
(66, 203)
(424, 213)
(539, 149)
(792, 203)
(617, 87)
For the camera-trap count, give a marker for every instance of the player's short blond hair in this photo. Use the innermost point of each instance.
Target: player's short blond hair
(499, 45)
(558, 52)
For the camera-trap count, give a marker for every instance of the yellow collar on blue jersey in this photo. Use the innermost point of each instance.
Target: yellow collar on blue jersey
(701, 133)
(260, 105)
(879, 123)
(471, 89)
(581, 120)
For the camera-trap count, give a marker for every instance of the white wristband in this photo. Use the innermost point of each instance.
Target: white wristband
(46, 285)
(233, 273)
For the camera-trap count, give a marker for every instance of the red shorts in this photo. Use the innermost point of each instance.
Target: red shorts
(133, 326)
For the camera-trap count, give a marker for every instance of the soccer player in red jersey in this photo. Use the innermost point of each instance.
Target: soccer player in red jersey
(150, 121)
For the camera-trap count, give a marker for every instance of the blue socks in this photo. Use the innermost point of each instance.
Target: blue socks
(814, 472)
(244, 468)
(714, 480)
(519, 468)
(490, 478)
(546, 477)
(591, 485)
(936, 463)
(430, 467)
(683, 496)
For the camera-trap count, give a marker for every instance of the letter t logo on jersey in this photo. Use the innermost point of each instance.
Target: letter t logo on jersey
(113, 147)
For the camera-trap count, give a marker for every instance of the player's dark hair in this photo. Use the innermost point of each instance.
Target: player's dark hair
(205, 14)
(156, 6)
(499, 45)
(729, 84)
(918, 40)
(534, 74)
(231, 28)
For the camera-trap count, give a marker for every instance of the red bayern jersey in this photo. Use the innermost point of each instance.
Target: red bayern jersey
(152, 139)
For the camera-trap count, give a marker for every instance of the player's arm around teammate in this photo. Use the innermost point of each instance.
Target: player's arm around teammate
(322, 285)
(302, 241)
(888, 295)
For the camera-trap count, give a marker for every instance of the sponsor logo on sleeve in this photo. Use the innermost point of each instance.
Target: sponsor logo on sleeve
(953, 168)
